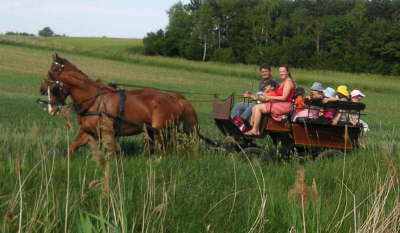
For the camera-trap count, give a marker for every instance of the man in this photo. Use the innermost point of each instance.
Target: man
(265, 71)
(241, 112)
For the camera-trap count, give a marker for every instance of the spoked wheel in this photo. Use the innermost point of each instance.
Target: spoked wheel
(329, 154)
(255, 153)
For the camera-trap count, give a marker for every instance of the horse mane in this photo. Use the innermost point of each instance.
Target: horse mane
(68, 66)
(83, 78)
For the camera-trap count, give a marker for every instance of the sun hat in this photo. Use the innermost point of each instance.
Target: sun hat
(316, 86)
(355, 93)
(342, 89)
(329, 92)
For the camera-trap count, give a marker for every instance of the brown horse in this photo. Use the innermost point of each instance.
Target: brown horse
(107, 112)
(188, 117)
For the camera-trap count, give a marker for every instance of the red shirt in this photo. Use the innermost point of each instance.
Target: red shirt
(279, 92)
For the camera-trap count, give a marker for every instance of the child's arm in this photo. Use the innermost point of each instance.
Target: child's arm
(326, 100)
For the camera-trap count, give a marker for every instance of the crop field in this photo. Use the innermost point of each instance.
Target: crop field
(192, 188)
(79, 44)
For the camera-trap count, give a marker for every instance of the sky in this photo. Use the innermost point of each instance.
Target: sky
(86, 18)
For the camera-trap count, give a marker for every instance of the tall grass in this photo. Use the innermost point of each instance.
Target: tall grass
(207, 192)
(191, 188)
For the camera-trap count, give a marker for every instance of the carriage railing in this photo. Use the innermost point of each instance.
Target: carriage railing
(222, 108)
(348, 109)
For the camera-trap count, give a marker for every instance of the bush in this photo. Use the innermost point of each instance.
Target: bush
(154, 43)
(225, 55)
(193, 50)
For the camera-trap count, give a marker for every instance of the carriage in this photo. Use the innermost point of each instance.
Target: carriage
(316, 137)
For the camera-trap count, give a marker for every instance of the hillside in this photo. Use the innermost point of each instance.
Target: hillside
(194, 188)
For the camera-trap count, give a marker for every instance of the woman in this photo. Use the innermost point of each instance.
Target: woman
(275, 105)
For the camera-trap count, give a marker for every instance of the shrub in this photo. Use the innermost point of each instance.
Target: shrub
(154, 43)
(225, 55)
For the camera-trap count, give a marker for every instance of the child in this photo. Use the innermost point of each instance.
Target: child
(242, 111)
(312, 111)
(342, 94)
(354, 117)
(299, 99)
(329, 95)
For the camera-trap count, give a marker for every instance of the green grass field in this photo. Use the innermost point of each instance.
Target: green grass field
(193, 189)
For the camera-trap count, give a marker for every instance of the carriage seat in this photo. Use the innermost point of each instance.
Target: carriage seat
(344, 105)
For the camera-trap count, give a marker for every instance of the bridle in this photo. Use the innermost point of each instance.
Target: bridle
(58, 67)
(58, 91)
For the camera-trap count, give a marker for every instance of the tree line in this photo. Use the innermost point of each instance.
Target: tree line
(345, 35)
(44, 32)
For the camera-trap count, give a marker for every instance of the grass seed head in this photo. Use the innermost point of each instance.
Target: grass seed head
(66, 115)
(302, 191)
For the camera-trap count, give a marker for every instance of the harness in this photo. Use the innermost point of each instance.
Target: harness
(85, 111)
(121, 109)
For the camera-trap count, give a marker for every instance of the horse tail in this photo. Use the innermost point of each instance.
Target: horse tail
(190, 120)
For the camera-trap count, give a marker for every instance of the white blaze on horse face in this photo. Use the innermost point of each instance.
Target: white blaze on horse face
(49, 108)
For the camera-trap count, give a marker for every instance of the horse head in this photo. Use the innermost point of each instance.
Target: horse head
(56, 94)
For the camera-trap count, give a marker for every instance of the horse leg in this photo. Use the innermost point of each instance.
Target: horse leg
(149, 137)
(81, 139)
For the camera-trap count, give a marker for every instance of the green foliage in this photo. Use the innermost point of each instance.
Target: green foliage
(154, 43)
(299, 33)
(19, 34)
(46, 32)
(225, 55)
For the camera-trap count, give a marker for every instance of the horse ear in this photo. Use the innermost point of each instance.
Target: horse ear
(55, 57)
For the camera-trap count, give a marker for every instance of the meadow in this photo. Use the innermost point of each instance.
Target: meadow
(193, 188)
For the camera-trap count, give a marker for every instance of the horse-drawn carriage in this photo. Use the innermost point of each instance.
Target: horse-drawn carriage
(303, 136)
(106, 110)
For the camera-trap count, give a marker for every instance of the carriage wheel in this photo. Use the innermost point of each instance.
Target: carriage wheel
(329, 154)
(255, 153)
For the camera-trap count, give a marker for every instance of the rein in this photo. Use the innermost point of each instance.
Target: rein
(40, 101)
(215, 95)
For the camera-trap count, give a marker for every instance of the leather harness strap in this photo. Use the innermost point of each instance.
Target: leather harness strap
(118, 117)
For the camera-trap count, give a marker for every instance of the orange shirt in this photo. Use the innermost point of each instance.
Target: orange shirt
(299, 103)
(271, 93)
